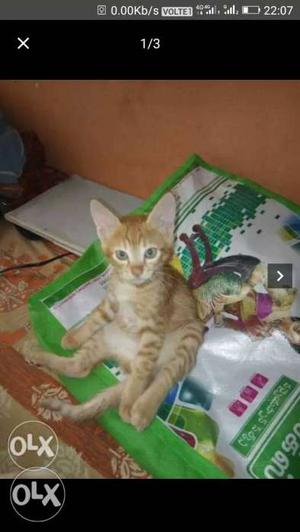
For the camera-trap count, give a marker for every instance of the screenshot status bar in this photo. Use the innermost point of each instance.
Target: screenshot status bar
(205, 10)
(149, 10)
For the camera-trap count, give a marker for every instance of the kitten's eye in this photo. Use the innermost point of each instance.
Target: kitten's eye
(121, 254)
(150, 253)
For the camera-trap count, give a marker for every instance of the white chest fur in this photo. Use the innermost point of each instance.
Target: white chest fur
(127, 317)
(122, 335)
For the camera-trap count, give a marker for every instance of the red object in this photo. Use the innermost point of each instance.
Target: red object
(237, 408)
(259, 380)
(187, 436)
(248, 393)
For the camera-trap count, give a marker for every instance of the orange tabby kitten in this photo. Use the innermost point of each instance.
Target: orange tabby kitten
(147, 322)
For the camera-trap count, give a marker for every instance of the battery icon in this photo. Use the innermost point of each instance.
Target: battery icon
(251, 10)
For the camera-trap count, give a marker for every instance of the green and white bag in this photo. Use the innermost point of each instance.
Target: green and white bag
(238, 413)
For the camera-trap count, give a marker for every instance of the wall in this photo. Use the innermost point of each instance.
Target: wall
(130, 135)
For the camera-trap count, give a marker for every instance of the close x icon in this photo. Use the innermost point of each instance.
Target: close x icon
(23, 43)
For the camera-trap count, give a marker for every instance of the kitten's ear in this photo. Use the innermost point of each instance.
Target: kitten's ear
(162, 217)
(105, 221)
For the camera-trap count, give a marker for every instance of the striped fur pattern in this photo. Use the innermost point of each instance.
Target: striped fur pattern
(148, 321)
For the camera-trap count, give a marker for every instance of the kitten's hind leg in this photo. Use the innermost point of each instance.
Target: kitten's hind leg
(91, 353)
(109, 398)
(172, 371)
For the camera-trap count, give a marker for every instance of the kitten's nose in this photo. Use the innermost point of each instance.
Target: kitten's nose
(137, 270)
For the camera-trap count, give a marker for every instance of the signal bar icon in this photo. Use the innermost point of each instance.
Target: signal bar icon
(211, 11)
(207, 9)
(230, 10)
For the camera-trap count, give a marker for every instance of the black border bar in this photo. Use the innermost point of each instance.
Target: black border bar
(101, 503)
(114, 50)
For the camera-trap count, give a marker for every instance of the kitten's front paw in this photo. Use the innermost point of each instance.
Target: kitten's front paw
(141, 415)
(32, 354)
(69, 341)
(129, 396)
(125, 411)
